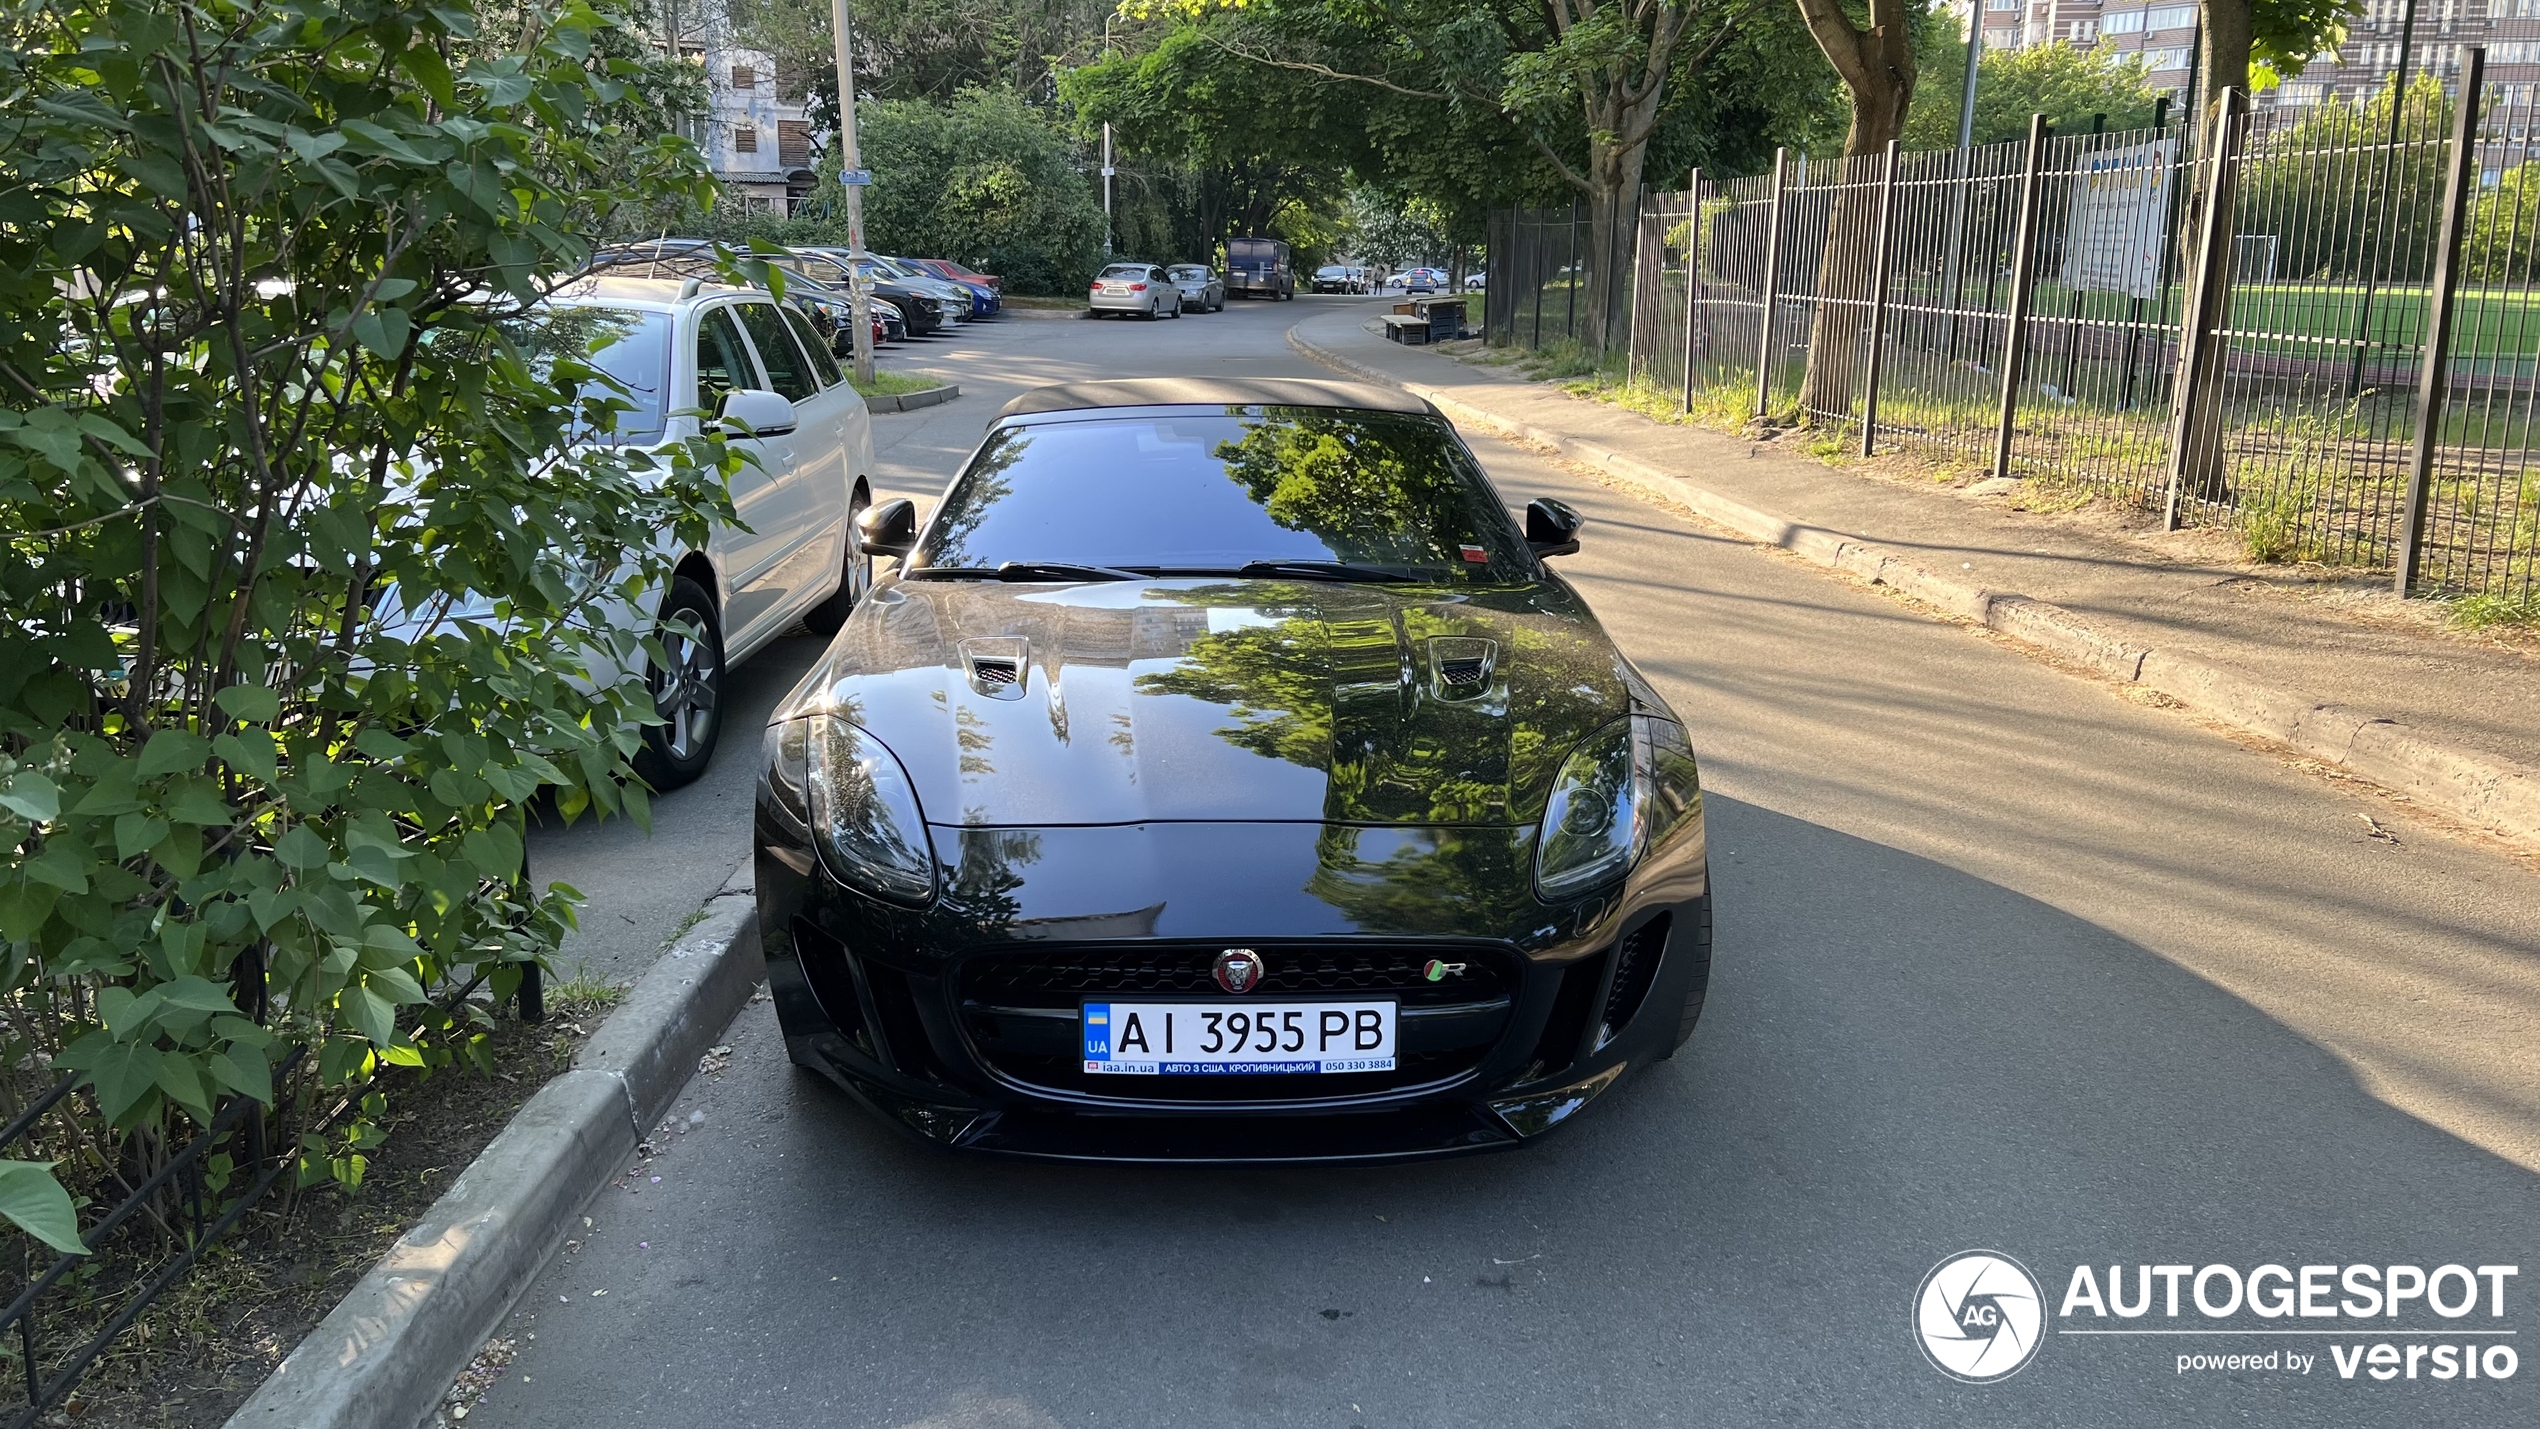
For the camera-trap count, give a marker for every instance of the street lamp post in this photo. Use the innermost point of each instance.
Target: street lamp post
(859, 309)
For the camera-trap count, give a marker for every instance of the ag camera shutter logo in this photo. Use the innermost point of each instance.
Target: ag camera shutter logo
(1979, 1316)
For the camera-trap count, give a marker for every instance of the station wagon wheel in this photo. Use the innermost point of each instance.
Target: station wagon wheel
(853, 581)
(687, 689)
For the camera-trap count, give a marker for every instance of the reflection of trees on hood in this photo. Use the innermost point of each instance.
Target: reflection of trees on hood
(1274, 681)
(1290, 688)
(980, 892)
(1422, 880)
(1371, 490)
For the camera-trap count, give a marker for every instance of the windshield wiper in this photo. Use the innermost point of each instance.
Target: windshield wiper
(1324, 571)
(1025, 571)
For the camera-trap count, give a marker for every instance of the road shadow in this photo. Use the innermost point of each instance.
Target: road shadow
(1899, 1061)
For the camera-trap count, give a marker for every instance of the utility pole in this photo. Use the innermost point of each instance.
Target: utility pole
(1106, 184)
(859, 307)
(1954, 255)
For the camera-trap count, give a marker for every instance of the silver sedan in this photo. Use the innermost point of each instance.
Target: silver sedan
(1201, 286)
(1139, 288)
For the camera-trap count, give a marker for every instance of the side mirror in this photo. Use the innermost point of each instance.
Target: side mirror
(889, 529)
(755, 412)
(1552, 527)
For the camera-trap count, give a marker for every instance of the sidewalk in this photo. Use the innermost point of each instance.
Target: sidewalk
(2335, 643)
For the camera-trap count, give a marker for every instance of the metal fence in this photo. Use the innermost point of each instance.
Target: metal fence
(1546, 273)
(2360, 389)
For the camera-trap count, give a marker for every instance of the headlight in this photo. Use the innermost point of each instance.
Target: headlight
(1625, 784)
(858, 803)
(1591, 824)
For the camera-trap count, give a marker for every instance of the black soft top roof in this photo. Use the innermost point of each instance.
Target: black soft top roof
(1216, 392)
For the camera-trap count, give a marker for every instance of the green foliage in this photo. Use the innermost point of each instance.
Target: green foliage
(2065, 84)
(2344, 205)
(1215, 145)
(987, 180)
(2504, 229)
(304, 570)
(925, 49)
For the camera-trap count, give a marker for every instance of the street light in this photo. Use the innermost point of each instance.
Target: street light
(859, 309)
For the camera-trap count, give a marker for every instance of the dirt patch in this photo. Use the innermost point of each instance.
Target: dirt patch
(211, 1339)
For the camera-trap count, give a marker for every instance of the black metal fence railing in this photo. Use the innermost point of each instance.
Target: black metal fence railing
(1560, 275)
(2340, 366)
(179, 1211)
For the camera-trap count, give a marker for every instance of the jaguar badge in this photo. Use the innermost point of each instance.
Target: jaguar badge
(1239, 970)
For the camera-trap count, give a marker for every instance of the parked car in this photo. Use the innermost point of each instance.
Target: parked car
(921, 310)
(820, 293)
(889, 325)
(951, 272)
(951, 302)
(1284, 914)
(966, 302)
(983, 299)
(1259, 268)
(1139, 288)
(1334, 278)
(1200, 285)
(680, 345)
(1476, 281)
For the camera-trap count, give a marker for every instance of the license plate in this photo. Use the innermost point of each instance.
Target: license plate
(1167, 1039)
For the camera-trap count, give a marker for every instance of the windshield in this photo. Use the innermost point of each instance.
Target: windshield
(633, 347)
(1188, 274)
(1331, 272)
(1211, 493)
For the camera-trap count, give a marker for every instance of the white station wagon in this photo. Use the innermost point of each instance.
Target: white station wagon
(685, 345)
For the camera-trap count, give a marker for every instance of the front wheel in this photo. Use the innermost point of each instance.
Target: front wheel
(687, 689)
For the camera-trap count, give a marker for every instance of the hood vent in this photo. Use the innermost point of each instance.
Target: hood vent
(999, 666)
(1460, 666)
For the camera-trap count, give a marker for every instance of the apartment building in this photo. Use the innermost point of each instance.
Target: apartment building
(2164, 33)
(754, 134)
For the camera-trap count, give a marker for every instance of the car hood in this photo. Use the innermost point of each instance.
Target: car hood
(1128, 702)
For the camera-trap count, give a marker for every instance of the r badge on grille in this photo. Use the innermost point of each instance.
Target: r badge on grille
(1239, 970)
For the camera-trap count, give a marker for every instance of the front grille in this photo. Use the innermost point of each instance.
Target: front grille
(1020, 1012)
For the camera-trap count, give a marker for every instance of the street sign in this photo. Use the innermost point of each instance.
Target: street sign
(1108, 171)
(858, 177)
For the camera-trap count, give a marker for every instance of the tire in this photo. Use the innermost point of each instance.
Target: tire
(1696, 944)
(689, 694)
(853, 581)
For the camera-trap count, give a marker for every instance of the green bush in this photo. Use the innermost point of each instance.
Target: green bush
(255, 261)
(986, 180)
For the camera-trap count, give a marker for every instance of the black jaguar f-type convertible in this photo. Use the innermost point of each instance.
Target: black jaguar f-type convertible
(1224, 777)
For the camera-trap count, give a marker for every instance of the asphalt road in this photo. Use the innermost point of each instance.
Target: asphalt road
(2005, 961)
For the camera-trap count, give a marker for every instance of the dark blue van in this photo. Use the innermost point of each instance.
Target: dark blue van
(1259, 268)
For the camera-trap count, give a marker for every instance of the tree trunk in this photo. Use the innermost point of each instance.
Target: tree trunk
(1613, 214)
(2196, 394)
(1877, 66)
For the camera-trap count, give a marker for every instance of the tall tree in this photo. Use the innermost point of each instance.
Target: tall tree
(1582, 85)
(1876, 63)
(2279, 37)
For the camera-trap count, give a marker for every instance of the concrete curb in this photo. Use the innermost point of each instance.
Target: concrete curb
(383, 1357)
(2493, 792)
(913, 401)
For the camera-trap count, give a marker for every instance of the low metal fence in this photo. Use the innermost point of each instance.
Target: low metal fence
(2321, 334)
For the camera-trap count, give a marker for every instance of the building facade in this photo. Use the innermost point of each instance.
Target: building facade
(2164, 33)
(755, 134)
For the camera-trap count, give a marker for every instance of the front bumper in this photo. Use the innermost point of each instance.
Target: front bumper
(958, 1023)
